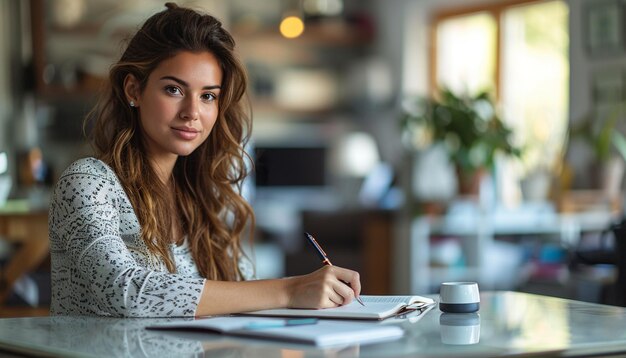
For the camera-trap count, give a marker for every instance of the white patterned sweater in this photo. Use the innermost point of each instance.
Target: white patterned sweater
(100, 264)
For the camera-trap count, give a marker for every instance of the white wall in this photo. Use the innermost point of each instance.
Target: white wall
(582, 70)
(583, 66)
(580, 66)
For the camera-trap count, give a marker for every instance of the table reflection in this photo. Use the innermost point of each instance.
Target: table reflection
(507, 323)
(460, 328)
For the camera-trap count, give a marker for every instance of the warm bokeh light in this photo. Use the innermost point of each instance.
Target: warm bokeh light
(291, 27)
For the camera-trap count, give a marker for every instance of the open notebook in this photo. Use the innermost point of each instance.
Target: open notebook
(376, 308)
(321, 333)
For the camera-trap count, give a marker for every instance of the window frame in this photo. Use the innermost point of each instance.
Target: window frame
(495, 10)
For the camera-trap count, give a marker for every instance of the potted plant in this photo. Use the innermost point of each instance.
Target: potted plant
(469, 128)
(601, 132)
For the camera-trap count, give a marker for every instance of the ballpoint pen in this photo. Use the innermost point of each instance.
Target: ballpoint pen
(324, 257)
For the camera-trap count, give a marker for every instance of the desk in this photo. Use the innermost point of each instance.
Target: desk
(29, 228)
(509, 323)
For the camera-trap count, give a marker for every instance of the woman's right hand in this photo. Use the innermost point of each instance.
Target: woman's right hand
(330, 286)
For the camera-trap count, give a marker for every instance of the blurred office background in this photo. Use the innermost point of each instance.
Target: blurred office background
(370, 132)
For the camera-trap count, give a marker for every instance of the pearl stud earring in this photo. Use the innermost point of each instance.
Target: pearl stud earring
(132, 103)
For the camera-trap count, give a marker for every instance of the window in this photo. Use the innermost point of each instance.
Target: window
(466, 53)
(519, 51)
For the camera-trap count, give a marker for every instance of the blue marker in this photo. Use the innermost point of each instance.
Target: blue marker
(280, 323)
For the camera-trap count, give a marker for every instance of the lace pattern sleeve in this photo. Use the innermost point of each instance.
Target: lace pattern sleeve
(98, 265)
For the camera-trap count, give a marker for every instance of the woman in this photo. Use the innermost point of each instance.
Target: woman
(152, 226)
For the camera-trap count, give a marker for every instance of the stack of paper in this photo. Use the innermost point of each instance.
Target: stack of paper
(321, 333)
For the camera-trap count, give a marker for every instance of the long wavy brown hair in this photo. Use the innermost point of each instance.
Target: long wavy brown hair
(208, 182)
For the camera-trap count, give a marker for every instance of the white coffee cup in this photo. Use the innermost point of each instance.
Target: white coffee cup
(460, 328)
(459, 297)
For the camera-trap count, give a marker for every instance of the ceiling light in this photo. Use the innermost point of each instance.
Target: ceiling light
(291, 27)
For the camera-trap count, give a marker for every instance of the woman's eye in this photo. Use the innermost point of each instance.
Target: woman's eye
(209, 97)
(172, 90)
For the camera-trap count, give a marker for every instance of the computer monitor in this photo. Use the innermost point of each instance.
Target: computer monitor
(291, 166)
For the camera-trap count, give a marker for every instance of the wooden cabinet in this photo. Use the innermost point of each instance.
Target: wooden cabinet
(360, 240)
(29, 230)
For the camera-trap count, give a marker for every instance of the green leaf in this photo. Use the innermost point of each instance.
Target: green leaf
(619, 141)
(468, 124)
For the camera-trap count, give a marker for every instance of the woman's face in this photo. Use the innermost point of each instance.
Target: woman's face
(179, 105)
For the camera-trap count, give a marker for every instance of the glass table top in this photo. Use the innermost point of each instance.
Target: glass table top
(508, 323)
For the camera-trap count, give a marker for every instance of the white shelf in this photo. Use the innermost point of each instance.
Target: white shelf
(478, 230)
